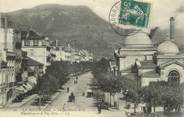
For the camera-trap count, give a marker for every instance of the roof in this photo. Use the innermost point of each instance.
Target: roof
(171, 62)
(31, 35)
(130, 75)
(138, 40)
(168, 47)
(31, 62)
(147, 65)
(150, 74)
(30, 70)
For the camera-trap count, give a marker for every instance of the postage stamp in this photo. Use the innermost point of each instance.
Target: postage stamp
(134, 13)
(127, 17)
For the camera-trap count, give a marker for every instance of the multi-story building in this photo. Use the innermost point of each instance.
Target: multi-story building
(35, 46)
(151, 63)
(58, 53)
(9, 61)
(70, 54)
(62, 53)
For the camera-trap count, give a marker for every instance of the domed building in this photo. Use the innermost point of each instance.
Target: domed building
(138, 46)
(168, 47)
(139, 55)
(142, 40)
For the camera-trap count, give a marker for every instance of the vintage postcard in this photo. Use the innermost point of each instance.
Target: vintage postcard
(91, 58)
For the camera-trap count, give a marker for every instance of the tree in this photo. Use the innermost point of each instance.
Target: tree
(163, 94)
(56, 76)
(101, 66)
(131, 86)
(108, 83)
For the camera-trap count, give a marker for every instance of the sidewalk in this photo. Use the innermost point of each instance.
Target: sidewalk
(52, 99)
(62, 94)
(24, 101)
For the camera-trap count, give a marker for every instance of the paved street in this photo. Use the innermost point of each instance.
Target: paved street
(82, 103)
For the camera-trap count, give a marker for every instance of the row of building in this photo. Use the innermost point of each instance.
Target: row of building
(67, 53)
(24, 56)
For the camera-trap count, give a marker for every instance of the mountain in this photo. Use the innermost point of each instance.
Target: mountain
(78, 25)
(70, 23)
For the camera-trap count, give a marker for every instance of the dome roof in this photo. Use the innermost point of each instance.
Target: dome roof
(138, 40)
(168, 47)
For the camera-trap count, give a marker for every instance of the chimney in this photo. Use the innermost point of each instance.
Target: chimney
(172, 28)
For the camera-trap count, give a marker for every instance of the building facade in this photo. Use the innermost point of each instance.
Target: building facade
(9, 62)
(70, 54)
(139, 58)
(35, 46)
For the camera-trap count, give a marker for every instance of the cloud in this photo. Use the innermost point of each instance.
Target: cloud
(162, 10)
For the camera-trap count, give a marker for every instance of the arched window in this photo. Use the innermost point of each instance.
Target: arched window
(174, 76)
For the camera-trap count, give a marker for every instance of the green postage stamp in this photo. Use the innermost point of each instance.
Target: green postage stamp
(134, 13)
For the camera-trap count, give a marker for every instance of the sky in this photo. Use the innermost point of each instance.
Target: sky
(161, 11)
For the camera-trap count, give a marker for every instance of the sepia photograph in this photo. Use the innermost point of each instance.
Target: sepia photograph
(91, 58)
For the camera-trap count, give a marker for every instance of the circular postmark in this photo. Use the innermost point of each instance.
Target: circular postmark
(120, 29)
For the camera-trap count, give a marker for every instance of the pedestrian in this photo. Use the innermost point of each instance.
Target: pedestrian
(68, 89)
(99, 108)
(83, 94)
(64, 107)
(75, 81)
(73, 98)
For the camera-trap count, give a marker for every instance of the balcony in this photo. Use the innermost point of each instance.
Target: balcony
(3, 64)
(11, 55)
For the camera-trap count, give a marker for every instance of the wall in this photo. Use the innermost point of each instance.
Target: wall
(10, 39)
(37, 53)
(145, 81)
(110, 99)
(7, 76)
(128, 57)
(167, 69)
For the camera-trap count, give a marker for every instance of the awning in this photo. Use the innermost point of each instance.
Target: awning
(30, 70)
(89, 90)
(29, 86)
(21, 89)
(26, 87)
(32, 84)
(32, 79)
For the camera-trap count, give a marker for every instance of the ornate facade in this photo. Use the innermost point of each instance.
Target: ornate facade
(161, 63)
